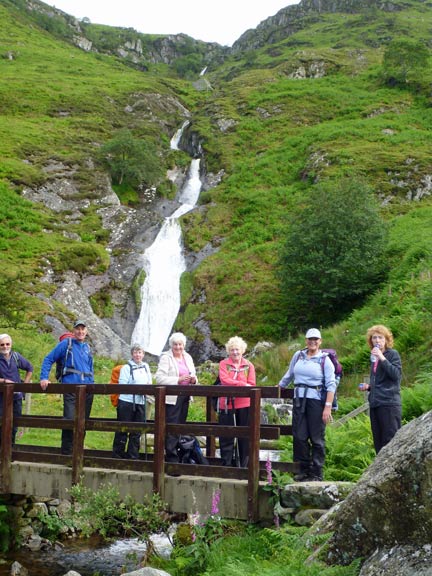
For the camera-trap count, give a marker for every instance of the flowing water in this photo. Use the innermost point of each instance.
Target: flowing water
(163, 264)
(87, 557)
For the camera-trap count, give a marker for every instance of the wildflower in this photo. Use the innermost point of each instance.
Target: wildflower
(269, 470)
(215, 502)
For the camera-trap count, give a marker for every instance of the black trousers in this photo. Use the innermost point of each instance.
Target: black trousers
(175, 414)
(309, 437)
(385, 422)
(128, 412)
(69, 401)
(238, 417)
(17, 411)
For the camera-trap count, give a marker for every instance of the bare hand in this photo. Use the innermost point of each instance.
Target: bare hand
(44, 384)
(327, 415)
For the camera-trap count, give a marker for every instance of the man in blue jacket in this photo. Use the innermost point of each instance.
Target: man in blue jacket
(77, 368)
(11, 363)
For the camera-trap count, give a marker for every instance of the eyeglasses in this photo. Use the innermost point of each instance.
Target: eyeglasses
(5, 345)
(313, 339)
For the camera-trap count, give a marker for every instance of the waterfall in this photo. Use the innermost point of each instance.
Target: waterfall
(175, 140)
(163, 264)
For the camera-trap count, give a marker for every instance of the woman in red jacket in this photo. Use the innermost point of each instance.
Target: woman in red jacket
(235, 371)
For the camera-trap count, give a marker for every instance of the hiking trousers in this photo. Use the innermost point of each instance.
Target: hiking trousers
(239, 417)
(128, 412)
(385, 422)
(309, 437)
(69, 401)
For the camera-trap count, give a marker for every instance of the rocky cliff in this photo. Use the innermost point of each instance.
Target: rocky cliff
(291, 19)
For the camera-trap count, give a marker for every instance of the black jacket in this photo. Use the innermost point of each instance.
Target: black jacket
(385, 382)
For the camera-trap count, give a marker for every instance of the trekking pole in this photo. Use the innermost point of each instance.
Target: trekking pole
(236, 446)
(145, 431)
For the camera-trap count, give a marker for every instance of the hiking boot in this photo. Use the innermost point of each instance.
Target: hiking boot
(302, 477)
(315, 478)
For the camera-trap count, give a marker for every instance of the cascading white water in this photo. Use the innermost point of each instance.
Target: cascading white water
(175, 140)
(164, 263)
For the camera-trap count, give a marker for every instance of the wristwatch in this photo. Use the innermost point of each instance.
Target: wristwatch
(328, 403)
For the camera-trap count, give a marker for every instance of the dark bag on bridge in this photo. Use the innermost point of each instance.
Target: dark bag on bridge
(215, 399)
(190, 452)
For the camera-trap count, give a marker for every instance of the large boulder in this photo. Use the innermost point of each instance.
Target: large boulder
(391, 505)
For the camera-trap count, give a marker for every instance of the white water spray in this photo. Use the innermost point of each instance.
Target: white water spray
(164, 263)
(175, 140)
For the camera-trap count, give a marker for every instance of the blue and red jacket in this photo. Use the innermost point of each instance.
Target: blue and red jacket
(78, 362)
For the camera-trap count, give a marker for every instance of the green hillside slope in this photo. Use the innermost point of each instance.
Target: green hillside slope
(316, 106)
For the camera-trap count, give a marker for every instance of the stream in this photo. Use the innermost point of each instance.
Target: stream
(88, 557)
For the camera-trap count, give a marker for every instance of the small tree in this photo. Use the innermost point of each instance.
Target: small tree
(405, 63)
(131, 160)
(333, 255)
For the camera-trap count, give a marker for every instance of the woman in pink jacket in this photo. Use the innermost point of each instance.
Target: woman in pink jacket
(235, 371)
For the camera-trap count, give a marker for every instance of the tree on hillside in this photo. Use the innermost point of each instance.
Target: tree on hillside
(131, 160)
(405, 62)
(333, 254)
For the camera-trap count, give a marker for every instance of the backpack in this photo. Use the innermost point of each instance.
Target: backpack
(115, 375)
(189, 451)
(60, 364)
(332, 355)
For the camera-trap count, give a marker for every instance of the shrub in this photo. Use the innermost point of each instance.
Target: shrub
(332, 255)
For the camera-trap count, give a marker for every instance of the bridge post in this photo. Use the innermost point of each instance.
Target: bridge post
(254, 444)
(6, 437)
(79, 434)
(159, 441)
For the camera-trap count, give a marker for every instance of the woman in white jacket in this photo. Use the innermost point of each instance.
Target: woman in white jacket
(175, 367)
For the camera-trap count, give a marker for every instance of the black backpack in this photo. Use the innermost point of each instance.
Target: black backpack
(189, 451)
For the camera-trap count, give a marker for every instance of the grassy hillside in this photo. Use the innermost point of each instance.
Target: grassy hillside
(58, 105)
(313, 107)
(287, 134)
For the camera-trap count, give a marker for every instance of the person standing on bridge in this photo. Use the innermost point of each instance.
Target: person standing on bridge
(77, 361)
(312, 372)
(11, 363)
(176, 367)
(131, 407)
(235, 371)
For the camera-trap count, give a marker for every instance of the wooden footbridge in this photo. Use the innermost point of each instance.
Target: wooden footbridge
(44, 471)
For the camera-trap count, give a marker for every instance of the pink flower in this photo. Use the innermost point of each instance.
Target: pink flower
(215, 502)
(269, 471)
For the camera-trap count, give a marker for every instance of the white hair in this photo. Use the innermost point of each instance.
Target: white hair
(236, 342)
(177, 337)
(4, 336)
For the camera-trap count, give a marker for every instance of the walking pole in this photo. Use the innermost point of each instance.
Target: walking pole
(145, 431)
(236, 446)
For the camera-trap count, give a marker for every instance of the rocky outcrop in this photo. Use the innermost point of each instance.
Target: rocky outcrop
(388, 515)
(291, 19)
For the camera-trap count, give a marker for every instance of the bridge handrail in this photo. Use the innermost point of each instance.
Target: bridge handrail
(255, 431)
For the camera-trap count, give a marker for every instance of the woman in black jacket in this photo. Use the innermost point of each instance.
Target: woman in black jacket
(384, 389)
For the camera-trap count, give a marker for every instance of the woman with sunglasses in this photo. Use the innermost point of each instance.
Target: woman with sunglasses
(313, 375)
